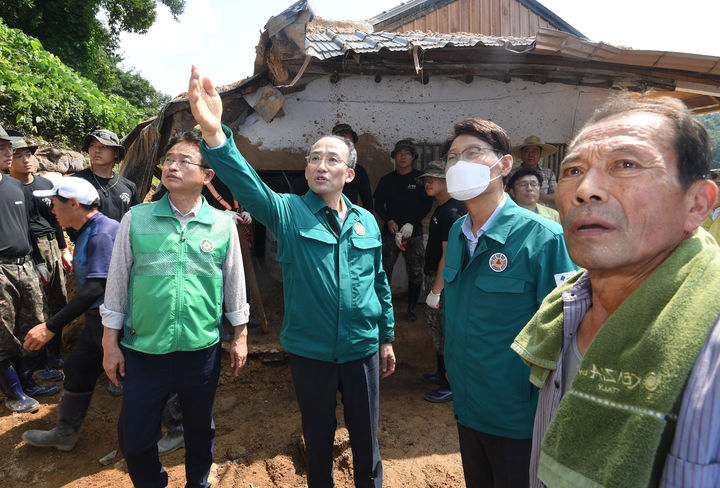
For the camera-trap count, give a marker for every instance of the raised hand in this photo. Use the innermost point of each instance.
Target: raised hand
(206, 107)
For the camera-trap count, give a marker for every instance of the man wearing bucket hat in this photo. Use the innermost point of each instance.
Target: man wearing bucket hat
(75, 204)
(402, 203)
(530, 152)
(6, 139)
(448, 210)
(117, 193)
(19, 288)
(50, 240)
(359, 188)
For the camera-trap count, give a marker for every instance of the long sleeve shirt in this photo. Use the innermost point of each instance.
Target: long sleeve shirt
(116, 290)
(337, 300)
(694, 458)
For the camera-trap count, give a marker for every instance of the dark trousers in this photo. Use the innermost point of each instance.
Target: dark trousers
(84, 364)
(492, 461)
(316, 386)
(149, 381)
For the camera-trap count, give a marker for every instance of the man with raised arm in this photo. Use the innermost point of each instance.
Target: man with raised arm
(338, 309)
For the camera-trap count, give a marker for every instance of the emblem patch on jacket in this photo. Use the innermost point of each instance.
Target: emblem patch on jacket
(498, 262)
(206, 245)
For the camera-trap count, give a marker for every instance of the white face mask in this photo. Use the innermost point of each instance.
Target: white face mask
(467, 180)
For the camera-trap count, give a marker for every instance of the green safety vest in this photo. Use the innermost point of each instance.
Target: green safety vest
(175, 291)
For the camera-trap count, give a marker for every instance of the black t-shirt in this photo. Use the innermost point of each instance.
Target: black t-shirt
(117, 194)
(42, 220)
(359, 189)
(402, 199)
(14, 230)
(442, 219)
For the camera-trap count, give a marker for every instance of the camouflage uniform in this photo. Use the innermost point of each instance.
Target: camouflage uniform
(434, 317)
(414, 255)
(55, 290)
(22, 305)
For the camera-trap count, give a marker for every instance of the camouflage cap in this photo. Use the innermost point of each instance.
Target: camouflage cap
(9, 135)
(22, 144)
(106, 137)
(436, 169)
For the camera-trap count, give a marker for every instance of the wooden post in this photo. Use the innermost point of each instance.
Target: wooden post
(249, 267)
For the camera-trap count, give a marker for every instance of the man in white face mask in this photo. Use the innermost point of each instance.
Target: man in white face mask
(500, 263)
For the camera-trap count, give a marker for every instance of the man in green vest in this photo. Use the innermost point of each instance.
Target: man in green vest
(174, 264)
(338, 322)
(627, 352)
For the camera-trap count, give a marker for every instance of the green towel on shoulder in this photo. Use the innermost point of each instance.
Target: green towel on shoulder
(615, 425)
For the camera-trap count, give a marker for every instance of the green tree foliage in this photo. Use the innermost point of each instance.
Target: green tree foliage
(39, 95)
(70, 29)
(712, 124)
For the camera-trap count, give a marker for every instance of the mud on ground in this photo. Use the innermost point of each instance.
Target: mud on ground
(258, 440)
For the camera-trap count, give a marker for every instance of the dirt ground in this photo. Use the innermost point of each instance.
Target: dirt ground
(258, 440)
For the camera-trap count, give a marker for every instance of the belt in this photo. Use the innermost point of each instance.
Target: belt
(47, 237)
(15, 260)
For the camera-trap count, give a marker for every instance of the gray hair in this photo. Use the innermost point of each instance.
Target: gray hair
(352, 159)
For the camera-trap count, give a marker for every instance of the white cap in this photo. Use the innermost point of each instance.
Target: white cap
(71, 187)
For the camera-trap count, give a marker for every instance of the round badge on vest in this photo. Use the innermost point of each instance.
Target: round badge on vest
(359, 229)
(206, 245)
(498, 262)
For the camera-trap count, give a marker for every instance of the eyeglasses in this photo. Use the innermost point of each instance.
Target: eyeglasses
(472, 153)
(525, 185)
(331, 160)
(181, 163)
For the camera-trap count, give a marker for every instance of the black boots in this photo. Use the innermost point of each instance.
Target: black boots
(413, 295)
(73, 408)
(25, 373)
(16, 399)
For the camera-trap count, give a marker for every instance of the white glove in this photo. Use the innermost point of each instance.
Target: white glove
(44, 273)
(245, 217)
(242, 217)
(406, 230)
(399, 242)
(433, 300)
(67, 260)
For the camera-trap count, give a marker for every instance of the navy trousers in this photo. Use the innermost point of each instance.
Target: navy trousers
(316, 386)
(149, 381)
(83, 366)
(492, 461)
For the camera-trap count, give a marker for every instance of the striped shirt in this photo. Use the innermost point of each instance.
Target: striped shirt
(694, 458)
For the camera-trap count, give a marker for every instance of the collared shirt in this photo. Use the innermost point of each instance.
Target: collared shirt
(467, 225)
(694, 455)
(116, 290)
(337, 299)
(518, 260)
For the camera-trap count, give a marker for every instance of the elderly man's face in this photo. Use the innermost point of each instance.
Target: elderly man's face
(531, 155)
(6, 153)
(327, 170)
(619, 194)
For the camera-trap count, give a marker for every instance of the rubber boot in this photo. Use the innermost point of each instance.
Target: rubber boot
(40, 365)
(16, 399)
(25, 373)
(438, 377)
(54, 355)
(72, 411)
(172, 419)
(413, 294)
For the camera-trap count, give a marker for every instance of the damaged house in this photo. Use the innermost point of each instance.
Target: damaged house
(411, 72)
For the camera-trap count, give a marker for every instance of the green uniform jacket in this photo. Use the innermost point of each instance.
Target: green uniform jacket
(337, 299)
(518, 260)
(180, 269)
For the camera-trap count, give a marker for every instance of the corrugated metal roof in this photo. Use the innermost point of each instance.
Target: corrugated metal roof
(329, 44)
(555, 42)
